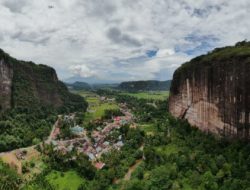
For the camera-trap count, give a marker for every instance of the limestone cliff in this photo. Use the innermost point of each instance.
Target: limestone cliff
(6, 75)
(213, 91)
(26, 85)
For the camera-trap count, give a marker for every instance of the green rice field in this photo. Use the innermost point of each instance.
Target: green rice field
(159, 95)
(64, 180)
(96, 107)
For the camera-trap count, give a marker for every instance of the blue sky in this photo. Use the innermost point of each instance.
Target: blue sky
(151, 53)
(119, 40)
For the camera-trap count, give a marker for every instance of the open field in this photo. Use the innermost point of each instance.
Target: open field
(97, 111)
(96, 107)
(160, 95)
(11, 159)
(64, 180)
(84, 93)
(32, 155)
(148, 128)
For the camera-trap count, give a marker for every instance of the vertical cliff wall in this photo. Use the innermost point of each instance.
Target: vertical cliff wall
(6, 76)
(213, 91)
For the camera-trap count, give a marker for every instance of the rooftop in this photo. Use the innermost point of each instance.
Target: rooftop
(77, 129)
(99, 165)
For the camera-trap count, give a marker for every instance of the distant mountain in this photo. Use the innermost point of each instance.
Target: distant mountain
(85, 86)
(150, 85)
(89, 80)
(79, 86)
(25, 85)
(105, 86)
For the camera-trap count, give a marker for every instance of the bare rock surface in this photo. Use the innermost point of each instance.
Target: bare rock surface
(213, 91)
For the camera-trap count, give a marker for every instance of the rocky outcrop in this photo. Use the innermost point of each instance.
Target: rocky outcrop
(27, 85)
(213, 91)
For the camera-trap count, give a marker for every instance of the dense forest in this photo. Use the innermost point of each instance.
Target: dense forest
(175, 156)
(150, 85)
(79, 86)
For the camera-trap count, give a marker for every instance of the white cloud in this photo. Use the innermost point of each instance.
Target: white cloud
(82, 70)
(165, 52)
(109, 39)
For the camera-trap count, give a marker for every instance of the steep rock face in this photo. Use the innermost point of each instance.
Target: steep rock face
(213, 91)
(26, 85)
(6, 75)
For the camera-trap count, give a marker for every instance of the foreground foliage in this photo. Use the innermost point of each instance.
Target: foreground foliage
(9, 180)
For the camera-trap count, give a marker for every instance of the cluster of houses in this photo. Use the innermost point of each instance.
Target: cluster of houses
(99, 143)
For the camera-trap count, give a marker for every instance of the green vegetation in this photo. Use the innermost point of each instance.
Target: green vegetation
(97, 109)
(64, 180)
(63, 172)
(37, 85)
(79, 86)
(178, 156)
(158, 95)
(21, 127)
(9, 179)
(172, 155)
(167, 150)
(150, 85)
(148, 128)
(37, 97)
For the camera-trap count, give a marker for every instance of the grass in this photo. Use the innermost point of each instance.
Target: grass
(159, 95)
(105, 106)
(97, 111)
(84, 93)
(148, 128)
(92, 100)
(33, 156)
(65, 180)
(168, 149)
(96, 107)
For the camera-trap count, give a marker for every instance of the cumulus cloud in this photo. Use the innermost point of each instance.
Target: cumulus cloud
(119, 40)
(15, 6)
(116, 36)
(82, 70)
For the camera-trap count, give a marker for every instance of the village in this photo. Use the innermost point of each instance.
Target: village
(100, 141)
(93, 144)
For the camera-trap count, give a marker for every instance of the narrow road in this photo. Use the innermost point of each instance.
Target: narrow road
(52, 130)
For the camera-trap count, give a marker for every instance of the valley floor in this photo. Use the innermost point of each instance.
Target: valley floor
(156, 152)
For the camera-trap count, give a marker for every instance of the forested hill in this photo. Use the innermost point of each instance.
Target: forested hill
(25, 84)
(79, 86)
(150, 85)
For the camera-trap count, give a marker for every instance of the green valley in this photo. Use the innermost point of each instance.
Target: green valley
(124, 95)
(172, 155)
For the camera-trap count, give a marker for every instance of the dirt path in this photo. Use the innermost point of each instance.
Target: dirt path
(131, 170)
